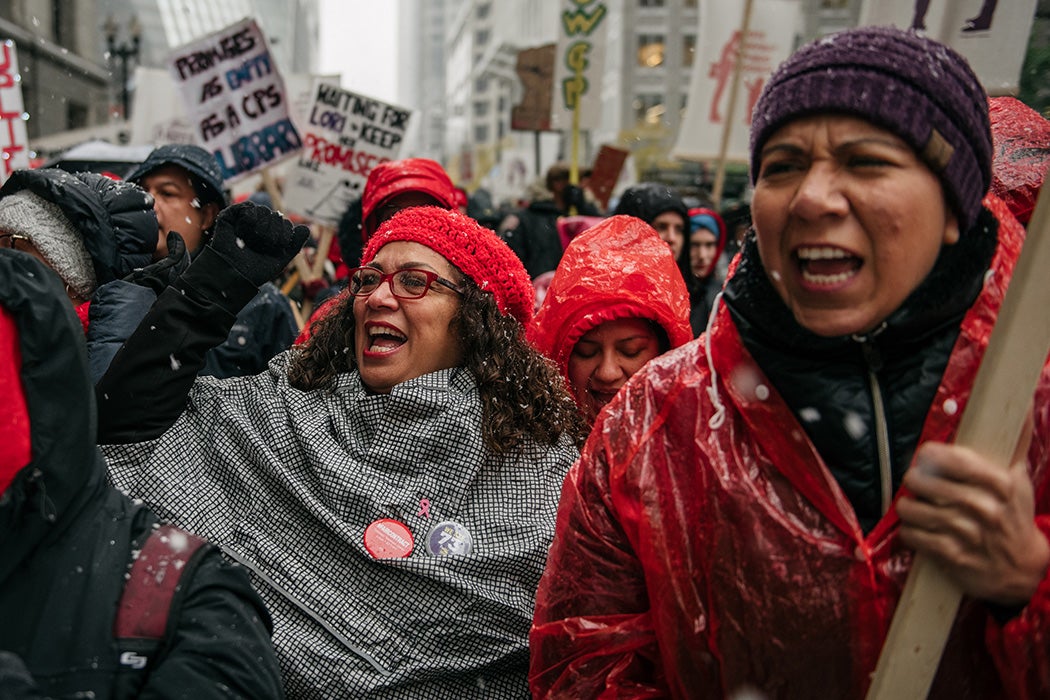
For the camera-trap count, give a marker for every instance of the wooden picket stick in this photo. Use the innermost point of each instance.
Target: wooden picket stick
(990, 425)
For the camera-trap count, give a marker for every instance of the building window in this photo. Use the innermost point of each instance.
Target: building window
(483, 10)
(481, 109)
(690, 3)
(650, 3)
(481, 37)
(648, 108)
(76, 115)
(650, 50)
(481, 85)
(481, 134)
(688, 49)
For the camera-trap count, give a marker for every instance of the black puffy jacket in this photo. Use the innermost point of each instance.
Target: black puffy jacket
(115, 218)
(67, 539)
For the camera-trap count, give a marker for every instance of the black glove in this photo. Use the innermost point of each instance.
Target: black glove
(257, 241)
(162, 273)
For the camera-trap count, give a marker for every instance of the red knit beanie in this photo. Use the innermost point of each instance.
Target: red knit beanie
(14, 419)
(477, 251)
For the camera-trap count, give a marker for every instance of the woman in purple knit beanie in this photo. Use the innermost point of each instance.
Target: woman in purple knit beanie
(747, 509)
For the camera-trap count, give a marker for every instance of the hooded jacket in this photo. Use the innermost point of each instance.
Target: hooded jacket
(702, 291)
(116, 219)
(396, 177)
(67, 540)
(704, 545)
(617, 269)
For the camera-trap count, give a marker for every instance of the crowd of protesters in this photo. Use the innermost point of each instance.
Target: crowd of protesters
(665, 449)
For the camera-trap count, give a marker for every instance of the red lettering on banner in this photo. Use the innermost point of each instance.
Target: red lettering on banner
(323, 151)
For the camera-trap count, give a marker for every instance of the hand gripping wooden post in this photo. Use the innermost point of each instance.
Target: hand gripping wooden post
(991, 425)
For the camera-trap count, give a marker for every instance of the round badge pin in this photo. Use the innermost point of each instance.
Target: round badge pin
(449, 539)
(388, 539)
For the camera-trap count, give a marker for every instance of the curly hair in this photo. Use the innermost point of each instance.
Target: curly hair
(522, 393)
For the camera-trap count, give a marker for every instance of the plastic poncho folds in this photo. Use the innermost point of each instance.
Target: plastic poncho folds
(67, 539)
(289, 482)
(704, 547)
(617, 269)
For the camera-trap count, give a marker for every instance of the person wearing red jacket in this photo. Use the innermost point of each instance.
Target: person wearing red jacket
(616, 301)
(745, 512)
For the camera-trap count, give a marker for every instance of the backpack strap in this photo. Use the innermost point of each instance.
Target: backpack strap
(152, 583)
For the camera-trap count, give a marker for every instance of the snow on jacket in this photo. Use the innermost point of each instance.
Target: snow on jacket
(115, 218)
(617, 269)
(67, 540)
(704, 546)
(288, 481)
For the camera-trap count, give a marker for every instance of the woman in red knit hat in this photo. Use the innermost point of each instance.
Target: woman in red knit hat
(392, 482)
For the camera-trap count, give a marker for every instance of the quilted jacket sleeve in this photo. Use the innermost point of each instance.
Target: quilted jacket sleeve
(220, 646)
(592, 634)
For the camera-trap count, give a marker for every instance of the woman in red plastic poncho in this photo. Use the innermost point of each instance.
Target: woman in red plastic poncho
(736, 520)
(616, 301)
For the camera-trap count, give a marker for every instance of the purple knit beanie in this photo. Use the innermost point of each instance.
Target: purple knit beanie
(917, 88)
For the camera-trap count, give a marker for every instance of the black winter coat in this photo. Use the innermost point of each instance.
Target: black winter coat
(67, 539)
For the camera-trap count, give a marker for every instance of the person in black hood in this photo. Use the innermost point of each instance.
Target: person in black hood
(67, 539)
(658, 206)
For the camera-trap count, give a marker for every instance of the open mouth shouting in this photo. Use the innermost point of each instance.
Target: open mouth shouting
(826, 267)
(383, 339)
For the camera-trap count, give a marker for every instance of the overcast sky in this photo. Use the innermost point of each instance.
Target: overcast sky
(359, 41)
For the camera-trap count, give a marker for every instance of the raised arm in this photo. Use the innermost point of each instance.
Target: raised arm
(144, 390)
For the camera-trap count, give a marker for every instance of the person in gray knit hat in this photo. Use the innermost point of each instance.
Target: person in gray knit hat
(749, 506)
(87, 228)
(35, 225)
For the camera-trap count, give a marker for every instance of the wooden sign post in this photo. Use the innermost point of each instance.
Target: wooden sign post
(991, 425)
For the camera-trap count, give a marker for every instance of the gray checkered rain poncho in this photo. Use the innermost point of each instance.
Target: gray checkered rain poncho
(286, 481)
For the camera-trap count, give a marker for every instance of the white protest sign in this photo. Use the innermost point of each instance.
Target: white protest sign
(992, 35)
(235, 99)
(579, 62)
(157, 114)
(345, 135)
(14, 141)
(771, 33)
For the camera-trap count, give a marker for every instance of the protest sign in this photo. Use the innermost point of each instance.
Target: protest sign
(345, 135)
(579, 62)
(991, 35)
(535, 69)
(771, 34)
(235, 99)
(14, 141)
(606, 172)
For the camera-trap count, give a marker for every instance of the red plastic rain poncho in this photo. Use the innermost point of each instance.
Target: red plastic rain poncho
(695, 557)
(617, 269)
(1021, 138)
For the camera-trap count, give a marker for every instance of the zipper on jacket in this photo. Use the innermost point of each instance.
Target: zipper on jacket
(873, 359)
(372, 661)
